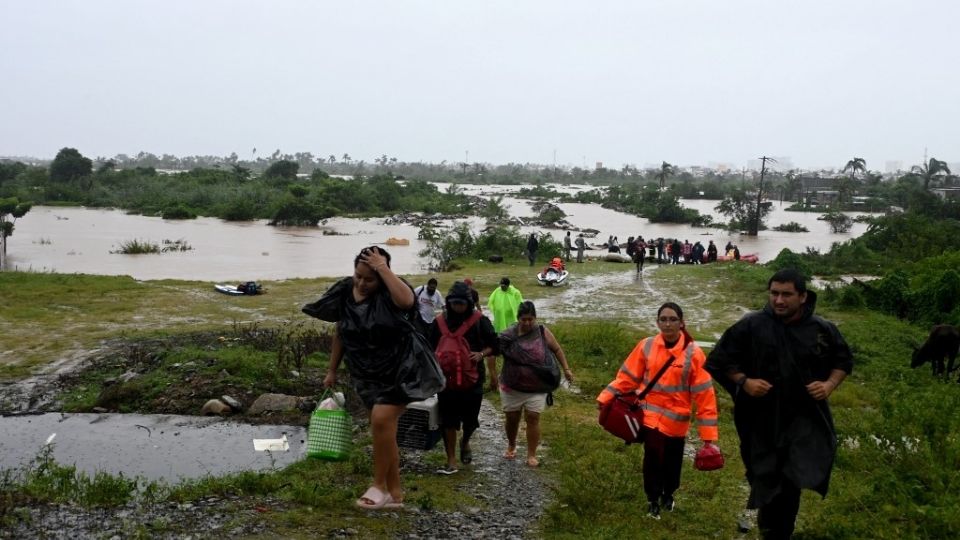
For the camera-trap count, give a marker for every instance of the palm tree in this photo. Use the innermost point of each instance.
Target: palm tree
(929, 171)
(666, 171)
(854, 165)
(845, 187)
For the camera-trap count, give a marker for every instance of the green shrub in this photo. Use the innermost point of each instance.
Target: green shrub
(793, 226)
(178, 212)
(789, 259)
(851, 297)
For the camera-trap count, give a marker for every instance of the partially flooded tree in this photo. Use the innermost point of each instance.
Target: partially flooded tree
(494, 211)
(743, 211)
(839, 222)
(10, 210)
(444, 247)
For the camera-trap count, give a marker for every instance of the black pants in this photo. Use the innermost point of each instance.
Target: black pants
(460, 408)
(662, 462)
(777, 518)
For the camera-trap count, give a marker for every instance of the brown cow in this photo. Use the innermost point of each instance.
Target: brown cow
(943, 342)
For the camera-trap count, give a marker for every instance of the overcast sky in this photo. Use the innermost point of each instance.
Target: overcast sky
(691, 82)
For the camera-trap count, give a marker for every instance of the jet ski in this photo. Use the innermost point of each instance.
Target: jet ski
(554, 274)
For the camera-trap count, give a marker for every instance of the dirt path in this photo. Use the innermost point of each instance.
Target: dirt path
(514, 494)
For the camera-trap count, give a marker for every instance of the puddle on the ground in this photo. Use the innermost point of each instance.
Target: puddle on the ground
(157, 447)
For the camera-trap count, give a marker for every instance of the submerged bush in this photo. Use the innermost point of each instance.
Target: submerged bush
(793, 226)
(137, 247)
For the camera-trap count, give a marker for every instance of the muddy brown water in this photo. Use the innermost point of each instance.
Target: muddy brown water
(80, 240)
(154, 446)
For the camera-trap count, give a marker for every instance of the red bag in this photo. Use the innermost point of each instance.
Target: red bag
(453, 353)
(708, 458)
(623, 417)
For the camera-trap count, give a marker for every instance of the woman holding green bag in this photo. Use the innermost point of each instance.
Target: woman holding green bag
(374, 310)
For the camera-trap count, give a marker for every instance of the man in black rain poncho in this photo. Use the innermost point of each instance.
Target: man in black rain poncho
(780, 364)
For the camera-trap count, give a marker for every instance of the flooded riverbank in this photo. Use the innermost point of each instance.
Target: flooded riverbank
(80, 240)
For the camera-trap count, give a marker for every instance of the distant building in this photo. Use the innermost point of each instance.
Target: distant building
(817, 183)
(949, 194)
(822, 197)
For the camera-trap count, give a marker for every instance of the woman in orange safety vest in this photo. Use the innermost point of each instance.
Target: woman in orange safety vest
(667, 407)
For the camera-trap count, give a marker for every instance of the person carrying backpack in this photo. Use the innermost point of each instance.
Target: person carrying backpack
(462, 336)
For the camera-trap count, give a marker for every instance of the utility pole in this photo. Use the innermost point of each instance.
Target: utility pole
(755, 229)
(554, 165)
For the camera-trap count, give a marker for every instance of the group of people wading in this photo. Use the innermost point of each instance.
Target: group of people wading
(779, 365)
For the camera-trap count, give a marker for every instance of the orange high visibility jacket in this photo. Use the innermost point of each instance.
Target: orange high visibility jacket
(667, 408)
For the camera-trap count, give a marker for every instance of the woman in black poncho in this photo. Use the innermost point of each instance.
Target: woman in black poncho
(373, 310)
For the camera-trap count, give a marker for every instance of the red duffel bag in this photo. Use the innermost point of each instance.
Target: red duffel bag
(708, 458)
(623, 417)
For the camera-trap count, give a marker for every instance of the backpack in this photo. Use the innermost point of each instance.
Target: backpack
(453, 353)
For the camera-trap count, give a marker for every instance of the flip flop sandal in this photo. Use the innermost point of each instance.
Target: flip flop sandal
(510, 454)
(374, 499)
(533, 462)
(393, 505)
(448, 470)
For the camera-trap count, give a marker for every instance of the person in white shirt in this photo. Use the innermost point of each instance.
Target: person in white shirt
(429, 301)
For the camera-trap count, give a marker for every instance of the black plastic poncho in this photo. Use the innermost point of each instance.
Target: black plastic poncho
(786, 433)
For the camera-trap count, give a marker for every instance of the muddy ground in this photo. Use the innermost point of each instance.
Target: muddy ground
(496, 482)
(117, 369)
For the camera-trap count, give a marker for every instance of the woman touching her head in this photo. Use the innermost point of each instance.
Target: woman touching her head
(373, 310)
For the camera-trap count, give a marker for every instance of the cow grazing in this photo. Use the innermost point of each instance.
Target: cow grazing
(944, 342)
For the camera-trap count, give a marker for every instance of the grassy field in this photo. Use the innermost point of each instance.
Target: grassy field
(897, 473)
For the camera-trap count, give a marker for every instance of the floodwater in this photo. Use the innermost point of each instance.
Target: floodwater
(80, 240)
(156, 447)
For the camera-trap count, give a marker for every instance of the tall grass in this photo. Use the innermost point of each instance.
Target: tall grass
(137, 247)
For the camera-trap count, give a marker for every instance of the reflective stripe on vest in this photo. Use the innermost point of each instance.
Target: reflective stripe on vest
(684, 386)
(665, 412)
(628, 373)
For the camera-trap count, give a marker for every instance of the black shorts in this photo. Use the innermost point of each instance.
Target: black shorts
(460, 408)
